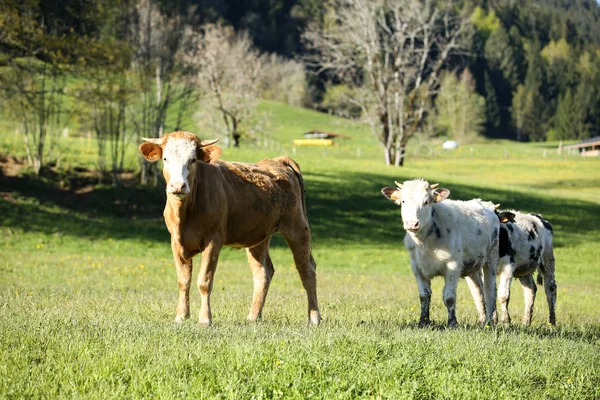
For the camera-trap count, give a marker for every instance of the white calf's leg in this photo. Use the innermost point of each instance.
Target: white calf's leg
(476, 287)
(489, 290)
(451, 282)
(424, 285)
(506, 271)
(550, 285)
(529, 289)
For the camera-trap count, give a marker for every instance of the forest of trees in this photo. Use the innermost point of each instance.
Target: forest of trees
(526, 70)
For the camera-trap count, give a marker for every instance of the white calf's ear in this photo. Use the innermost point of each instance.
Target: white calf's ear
(392, 193)
(506, 216)
(440, 194)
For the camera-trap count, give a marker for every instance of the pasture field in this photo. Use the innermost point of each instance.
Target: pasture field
(88, 288)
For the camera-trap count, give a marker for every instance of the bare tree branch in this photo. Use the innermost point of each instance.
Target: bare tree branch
(395, 50)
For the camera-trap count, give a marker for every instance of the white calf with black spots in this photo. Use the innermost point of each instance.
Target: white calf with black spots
(452, 239)
(526, 246)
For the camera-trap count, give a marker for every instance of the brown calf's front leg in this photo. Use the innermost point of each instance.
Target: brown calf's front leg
(184, 280)
(262, 271)
(210, 257)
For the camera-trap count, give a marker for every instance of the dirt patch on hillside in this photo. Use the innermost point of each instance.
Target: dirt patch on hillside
(10, 165)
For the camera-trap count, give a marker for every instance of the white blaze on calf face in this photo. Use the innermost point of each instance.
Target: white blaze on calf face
(415, 202)
(179, 156)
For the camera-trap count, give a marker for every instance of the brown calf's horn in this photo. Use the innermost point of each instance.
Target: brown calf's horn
(398, 184)
(434, 186)
(496, 206)
(204, 143)
(153, 140)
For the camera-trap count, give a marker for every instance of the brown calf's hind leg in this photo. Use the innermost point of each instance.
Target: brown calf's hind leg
(262, 271)
(299, 242)
(184, 281)
(210, 256)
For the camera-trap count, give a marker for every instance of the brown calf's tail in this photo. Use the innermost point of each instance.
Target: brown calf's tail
(293, 165)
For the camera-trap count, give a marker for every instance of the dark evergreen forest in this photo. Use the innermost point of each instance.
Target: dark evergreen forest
(535, 62)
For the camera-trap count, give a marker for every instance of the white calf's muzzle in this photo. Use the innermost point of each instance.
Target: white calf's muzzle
(411, 225)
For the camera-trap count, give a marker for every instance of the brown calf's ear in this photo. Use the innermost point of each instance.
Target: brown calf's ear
(506, 216)
(440, 194)
(151, 151)
(392, 193)
(209, 154)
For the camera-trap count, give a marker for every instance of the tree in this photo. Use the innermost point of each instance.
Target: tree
(461, 111)
(230, 71)
(35, 93)
(392, 52)
(37, 55)
(161, 75)
(535, 113)
(568, 118)
(492, 109)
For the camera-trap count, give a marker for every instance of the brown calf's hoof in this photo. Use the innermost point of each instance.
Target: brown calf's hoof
(314, 318)
(180, 319)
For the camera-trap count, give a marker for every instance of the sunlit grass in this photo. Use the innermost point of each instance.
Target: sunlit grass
(88, 288)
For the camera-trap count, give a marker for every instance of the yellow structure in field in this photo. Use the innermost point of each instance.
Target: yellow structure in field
(313, 142)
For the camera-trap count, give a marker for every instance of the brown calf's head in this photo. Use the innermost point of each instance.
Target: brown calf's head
(180, 151)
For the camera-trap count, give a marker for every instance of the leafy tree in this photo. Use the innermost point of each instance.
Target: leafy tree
(492, 109)
(537, 113)
(461, 111)
(568, 118)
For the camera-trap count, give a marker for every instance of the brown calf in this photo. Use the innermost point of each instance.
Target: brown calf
(212, 203)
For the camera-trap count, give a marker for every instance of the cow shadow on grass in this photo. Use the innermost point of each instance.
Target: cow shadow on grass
(590, 334)
(349, 208)
(343, 208)
(38, 204)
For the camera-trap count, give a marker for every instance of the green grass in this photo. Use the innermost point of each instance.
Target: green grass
(88, 289)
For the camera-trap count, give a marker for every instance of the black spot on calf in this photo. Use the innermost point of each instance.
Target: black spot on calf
(530, 235)
(505, 246)
(544, 222)
(532, 257)
(432, 229)
(479, 232)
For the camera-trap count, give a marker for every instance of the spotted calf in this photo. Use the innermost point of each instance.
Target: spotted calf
(452, 239)
(526, 246)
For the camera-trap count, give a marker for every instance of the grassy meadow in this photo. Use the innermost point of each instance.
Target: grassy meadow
(88, 288)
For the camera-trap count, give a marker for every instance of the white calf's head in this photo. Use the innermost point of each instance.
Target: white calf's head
(180, 151)
(415, 197)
